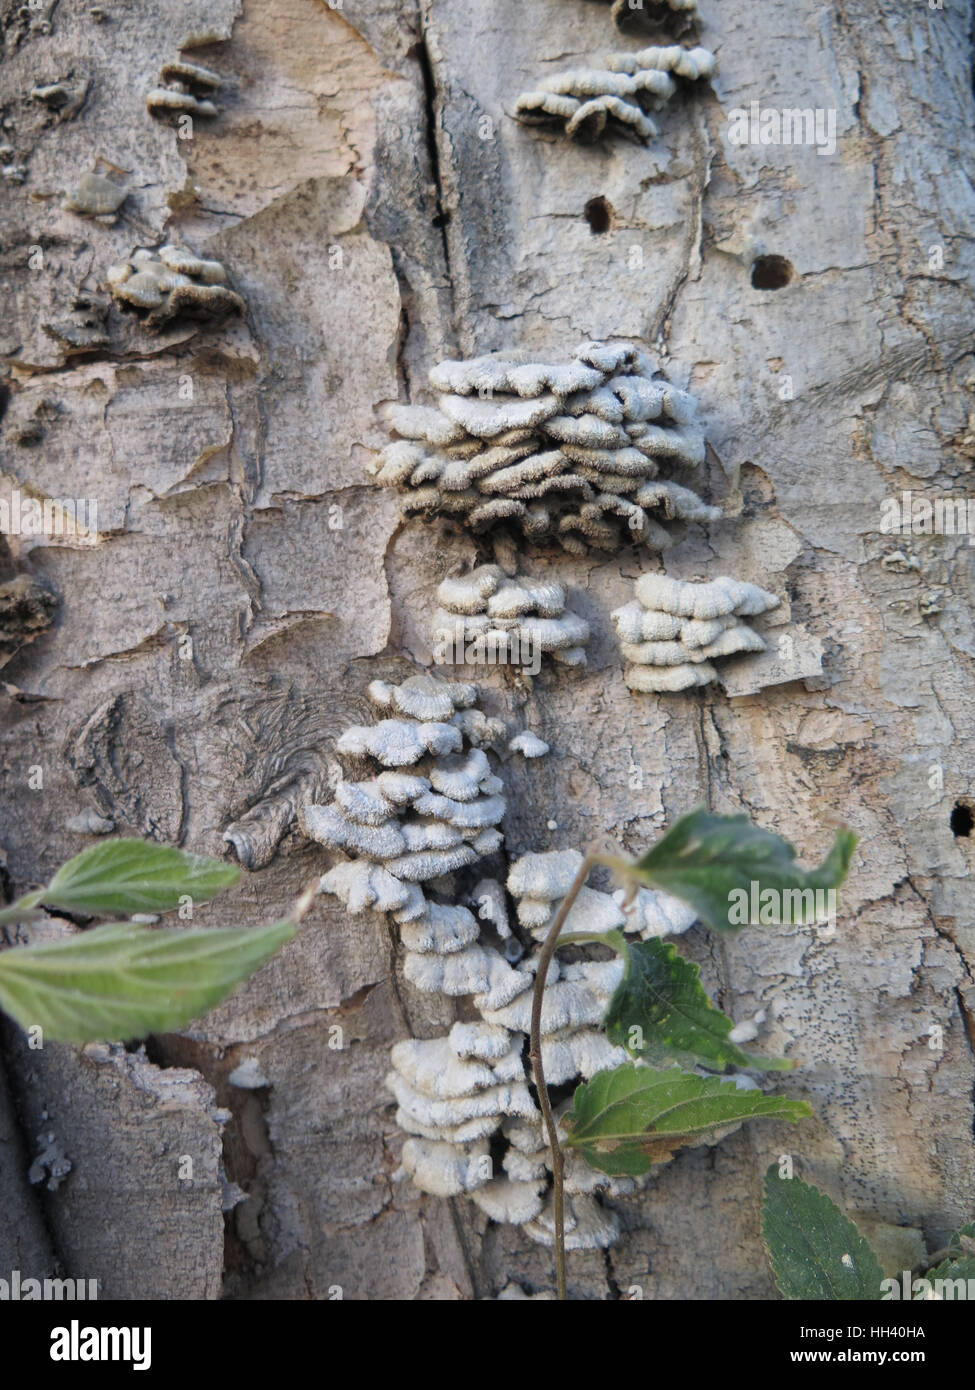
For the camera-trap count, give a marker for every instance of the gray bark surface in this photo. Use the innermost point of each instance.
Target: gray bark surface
(372, 227)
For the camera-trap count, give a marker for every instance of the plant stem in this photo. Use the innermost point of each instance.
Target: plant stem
(538, 1071)
(21, 909)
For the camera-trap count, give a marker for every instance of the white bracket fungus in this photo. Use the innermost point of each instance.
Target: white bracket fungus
(528, 744)
(487, 616)
(569, 453)
(96, 196)
(672, 632)
(184, 89)
(432, 808)
(170, 282)
(539, 882)
(453, 1093)
(590, 101)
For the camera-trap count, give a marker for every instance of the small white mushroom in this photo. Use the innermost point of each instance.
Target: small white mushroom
(331, 828)
(577, 1001)
(94, 195)
(510, 1203)
(444, 1170)
(508, 1098)
(360, 884)
(433, 1067)
(547, 876)
(422, 865)
(588, 1226)
(652, 913)
(578, 1052)
(480, 1040)
(400, 787)
(364, 802)
(474, 970)
(400, 742)
(528, 744)
(460, 777)
(442, 930)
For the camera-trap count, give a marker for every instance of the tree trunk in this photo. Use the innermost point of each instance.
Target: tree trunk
(378, 209)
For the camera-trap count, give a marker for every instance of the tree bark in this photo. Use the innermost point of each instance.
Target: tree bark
(378, 210)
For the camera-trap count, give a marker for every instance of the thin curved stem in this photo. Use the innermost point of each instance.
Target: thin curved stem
(538, 1071)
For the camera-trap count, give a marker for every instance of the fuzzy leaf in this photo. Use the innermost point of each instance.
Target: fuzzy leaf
(124, 980)
(704, 859)
(815, 1251)
(119, 877)
(627, 1119)
(660, 1013)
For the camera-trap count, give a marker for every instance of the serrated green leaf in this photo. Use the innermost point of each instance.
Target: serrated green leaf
(960, 1261)
(815, 1251)
(963, 1240)
(121, 877)
(631, 1117)
(712, 863)
(125, 980)
(947, 1273)
(660, 1013)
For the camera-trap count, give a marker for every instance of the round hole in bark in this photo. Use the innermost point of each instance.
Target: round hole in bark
(962, 821)
(771, 272)
(599, 215)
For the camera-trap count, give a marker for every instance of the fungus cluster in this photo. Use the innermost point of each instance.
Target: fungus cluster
(184, 89)
(540, 881)
(464, 1097)
(170, 282)
(566, 452)
(588, 102)
(458, 1096)
(487, 616)
(430, 808)
(674, 629)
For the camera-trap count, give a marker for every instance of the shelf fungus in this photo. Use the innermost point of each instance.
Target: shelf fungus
(465, 1103)
(171, 282)
(569, 453)
(96, 196)
(539, 882)
(489, 617)
(672, 632)
(431, 808)
(184, 89)
(591, 102)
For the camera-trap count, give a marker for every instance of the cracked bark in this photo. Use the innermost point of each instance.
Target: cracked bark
(243, 520)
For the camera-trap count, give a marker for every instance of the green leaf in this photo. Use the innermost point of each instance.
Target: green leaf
(948, 1271)
(723, 865)
(815, 1251)
(963, 1241)
(626, 1120)
(125, 980)
(660, 1013)
(119, 877)
(960, 1263)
